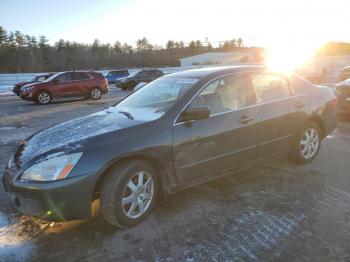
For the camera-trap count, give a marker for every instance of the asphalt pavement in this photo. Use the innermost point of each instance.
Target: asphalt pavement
(277, 211)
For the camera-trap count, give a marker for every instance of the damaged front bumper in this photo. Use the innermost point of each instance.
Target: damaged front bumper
(61, 200)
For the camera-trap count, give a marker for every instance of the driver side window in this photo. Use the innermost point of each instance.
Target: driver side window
(64, 78)
(223, 95)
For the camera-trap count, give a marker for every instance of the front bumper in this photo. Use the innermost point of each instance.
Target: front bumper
(61, 200)
(16, 90)
(27, 96)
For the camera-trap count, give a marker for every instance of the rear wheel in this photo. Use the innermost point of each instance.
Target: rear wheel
(307, 143)
(95, 93)
(43, 97)
(129, 193)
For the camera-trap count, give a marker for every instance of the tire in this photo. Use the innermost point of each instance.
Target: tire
(307, 143)
(116, 186)
(43, 97)
(95, 93)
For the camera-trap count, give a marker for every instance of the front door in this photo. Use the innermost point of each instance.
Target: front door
(64, 86)
(222, 142)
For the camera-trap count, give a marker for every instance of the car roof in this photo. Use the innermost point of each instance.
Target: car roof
(118, 70)
(208, 71)
(150, 69)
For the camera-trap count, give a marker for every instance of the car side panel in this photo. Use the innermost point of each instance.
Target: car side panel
(278, 122)
(208, 147)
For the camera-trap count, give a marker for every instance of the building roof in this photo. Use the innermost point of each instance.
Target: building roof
(216, 54)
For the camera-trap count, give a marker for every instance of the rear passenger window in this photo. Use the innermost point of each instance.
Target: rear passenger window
(80, 76)
(269, 87)
(223, 95)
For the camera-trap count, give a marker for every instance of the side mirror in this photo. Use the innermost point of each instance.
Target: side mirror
(195, 113)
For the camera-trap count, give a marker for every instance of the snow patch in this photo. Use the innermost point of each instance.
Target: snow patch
(68, 135)
(15, 249)
(10, 134)
(6, 90)
(4, 221)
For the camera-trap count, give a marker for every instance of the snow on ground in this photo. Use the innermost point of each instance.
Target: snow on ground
(13, 246)
(6, 90)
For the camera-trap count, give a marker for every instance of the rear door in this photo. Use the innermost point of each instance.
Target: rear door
(278, 113)
(222, 142)
(81, 83)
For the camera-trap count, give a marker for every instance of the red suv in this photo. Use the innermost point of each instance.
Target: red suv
(66, 84)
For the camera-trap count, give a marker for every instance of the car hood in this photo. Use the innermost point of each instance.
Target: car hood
(21, 84)
(70, 136)
(32, 84)
(124, 78)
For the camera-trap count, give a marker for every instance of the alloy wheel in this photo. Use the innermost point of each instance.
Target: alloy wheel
(138, 194)
(96, 93)
(309, 143)
(44, 98)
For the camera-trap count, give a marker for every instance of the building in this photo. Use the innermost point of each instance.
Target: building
(219, 58)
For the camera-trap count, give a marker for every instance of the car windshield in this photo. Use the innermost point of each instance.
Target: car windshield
(52, 77)
(154, 99)
(34, 79)
(132, 74)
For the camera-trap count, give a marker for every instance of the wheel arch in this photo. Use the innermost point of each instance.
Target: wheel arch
(117, 162)
(41, 90)
(318, 120)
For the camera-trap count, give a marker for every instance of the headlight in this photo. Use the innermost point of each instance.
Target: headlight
(53, 169)
(27, 88)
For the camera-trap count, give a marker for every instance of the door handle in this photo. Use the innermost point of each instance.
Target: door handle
(299, 104)
(245, 120)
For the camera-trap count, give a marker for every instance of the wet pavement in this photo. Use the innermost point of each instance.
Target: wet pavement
(277, 211)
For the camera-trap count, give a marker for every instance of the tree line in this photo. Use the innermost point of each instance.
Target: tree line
(25, 53)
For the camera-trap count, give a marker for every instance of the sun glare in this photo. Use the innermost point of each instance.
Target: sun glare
(287, 58)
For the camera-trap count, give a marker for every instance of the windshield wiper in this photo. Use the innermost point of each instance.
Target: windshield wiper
(127, 114)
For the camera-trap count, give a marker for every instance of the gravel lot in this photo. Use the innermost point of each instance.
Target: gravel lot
(275, 212)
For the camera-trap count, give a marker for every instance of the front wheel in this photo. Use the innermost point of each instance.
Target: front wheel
(43, 98)
(95, 93)
(129, 193)
(307, 143)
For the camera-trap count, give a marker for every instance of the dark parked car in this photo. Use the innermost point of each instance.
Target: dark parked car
(66, 84)
(345, 73)
(112, 76)
(145, 76)
(342, 90)
(38, 78)
(176, 132)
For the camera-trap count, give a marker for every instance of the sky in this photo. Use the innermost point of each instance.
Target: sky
(306, 23)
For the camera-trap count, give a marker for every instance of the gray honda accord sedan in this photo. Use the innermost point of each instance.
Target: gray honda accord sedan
(178, 131)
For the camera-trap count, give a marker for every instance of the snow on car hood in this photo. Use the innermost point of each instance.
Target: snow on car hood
(70, 135)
